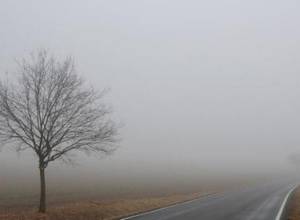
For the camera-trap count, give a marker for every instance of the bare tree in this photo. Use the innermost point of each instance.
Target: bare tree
(50, 111)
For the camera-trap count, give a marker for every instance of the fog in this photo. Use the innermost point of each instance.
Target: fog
(203, 88)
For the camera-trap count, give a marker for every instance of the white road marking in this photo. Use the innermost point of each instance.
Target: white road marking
(279, 215)
(167, 207)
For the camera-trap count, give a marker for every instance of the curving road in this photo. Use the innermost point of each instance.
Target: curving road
(264, 202)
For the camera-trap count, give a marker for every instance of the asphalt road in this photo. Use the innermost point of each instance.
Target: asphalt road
(263, 202)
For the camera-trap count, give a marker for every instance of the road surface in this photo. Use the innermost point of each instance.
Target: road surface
(264, 202)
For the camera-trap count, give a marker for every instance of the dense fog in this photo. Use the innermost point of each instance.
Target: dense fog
(203, 89)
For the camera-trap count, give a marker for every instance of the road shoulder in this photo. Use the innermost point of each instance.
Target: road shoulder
(293, 207)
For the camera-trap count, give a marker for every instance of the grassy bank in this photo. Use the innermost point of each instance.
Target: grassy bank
(98, 209)
(294, 209)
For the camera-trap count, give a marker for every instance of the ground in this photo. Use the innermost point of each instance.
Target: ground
(294, 209)
(97, 209)
(96, 205)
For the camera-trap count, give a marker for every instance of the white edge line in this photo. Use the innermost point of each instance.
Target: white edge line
(170, 206)
(279, 215)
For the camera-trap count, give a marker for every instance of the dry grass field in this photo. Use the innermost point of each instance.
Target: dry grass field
(96, 209)
(294, 211)
(96, 205)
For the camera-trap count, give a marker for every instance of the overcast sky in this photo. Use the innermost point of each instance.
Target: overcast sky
(199, 85)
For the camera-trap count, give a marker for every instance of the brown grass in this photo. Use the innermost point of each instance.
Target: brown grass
(294, 210)
(99, 210)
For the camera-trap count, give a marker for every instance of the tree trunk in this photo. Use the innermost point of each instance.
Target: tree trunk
(42, 207)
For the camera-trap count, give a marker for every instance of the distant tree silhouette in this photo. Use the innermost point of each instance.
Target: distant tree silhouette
(294, 159)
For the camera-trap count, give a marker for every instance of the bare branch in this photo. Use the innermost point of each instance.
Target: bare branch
(50, 111)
